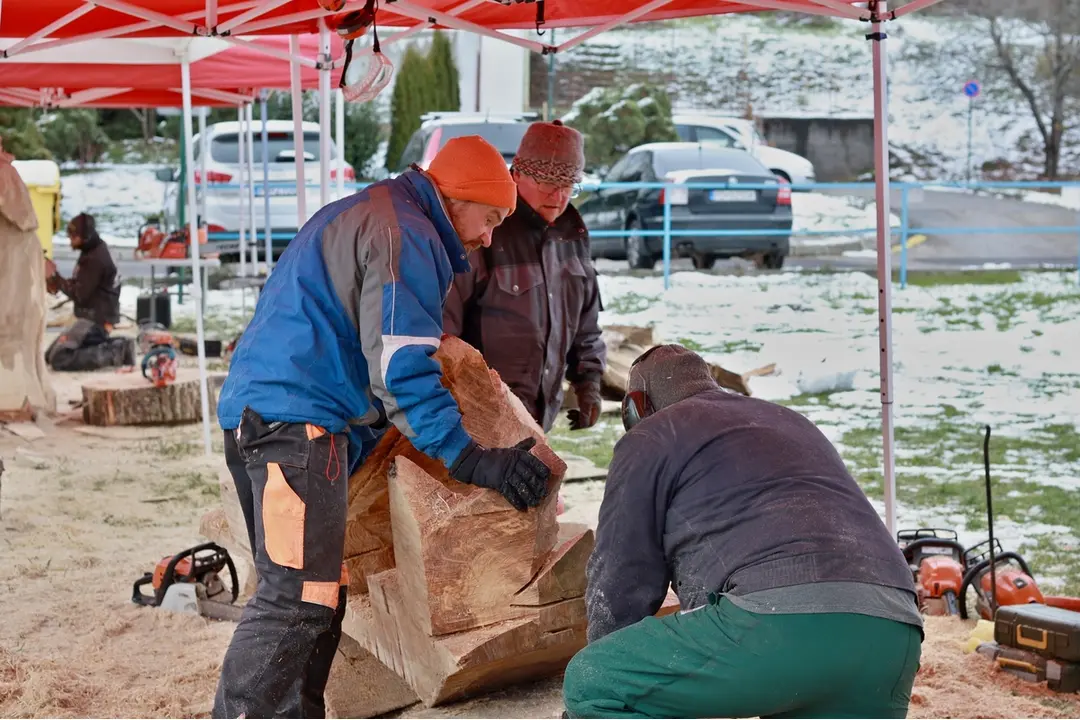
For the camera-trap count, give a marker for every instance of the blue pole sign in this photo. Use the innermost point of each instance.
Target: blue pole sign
(971, 88)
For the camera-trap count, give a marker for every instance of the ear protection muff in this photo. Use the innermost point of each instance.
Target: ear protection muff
(635, 408)
(635, 404)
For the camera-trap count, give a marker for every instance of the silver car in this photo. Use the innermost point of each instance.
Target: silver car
(223, 207)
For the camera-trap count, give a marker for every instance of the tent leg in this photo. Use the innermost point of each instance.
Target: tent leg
(241, 150)
(249, 138)
(298, 131)
(324, 114)
(884, 252)
(202, 166)
(266, 184)
(339, 138)
(194, 249)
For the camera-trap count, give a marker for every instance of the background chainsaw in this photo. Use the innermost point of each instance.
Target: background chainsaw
(159, 361)
(191, 581)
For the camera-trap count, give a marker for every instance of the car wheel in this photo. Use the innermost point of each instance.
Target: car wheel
(636, 253)
(703, 261)
(773, 260)
(782, 175)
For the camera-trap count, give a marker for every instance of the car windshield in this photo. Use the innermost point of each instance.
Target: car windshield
(225, 148)
(503, 135)
(702, 157)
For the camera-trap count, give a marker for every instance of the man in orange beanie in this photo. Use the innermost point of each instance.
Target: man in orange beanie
(339, 349)
(531, 301)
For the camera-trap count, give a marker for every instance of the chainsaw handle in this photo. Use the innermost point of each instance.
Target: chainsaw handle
(137, 595)
(976, 571)
(909, 550)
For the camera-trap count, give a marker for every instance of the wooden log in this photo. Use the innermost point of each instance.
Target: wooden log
(361, 686)
(562, 576)
(450, 667)
(24, 378)
(130, 399)
(492, 415)
(461, 552)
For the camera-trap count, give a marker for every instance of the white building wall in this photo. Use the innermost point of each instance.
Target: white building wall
(494, 74)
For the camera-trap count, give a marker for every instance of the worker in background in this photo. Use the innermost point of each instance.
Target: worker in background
(796, 600)
(94, 290)
(339, 349)
(530, 302)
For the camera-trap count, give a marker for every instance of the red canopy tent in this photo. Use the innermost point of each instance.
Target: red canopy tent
(66, 21)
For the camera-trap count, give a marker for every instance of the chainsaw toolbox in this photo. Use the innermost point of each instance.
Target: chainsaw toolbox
(1049, 631)
(1062, 677)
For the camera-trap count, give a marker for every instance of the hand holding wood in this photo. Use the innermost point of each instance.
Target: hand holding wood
(515, 472)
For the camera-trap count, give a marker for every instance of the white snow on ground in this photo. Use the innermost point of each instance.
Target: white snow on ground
(847, 216)
(997, 354)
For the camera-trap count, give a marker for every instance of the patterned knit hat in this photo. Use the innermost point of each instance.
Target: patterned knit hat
(552, 153)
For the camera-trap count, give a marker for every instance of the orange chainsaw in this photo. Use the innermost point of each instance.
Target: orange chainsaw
(153, 243)
(159, 361)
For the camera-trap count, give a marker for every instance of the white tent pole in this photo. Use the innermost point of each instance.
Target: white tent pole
(203, 182)
(272, 52)
(251, 14)
(884, 252)
(50, 28)
(241, 196)
(324, 114)
(249, 116)
(298, 131)
(194, 249)
(339, 135)
(267, 225)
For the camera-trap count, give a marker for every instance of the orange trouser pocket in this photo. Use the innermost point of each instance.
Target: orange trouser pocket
(321, 593)
(283, 520)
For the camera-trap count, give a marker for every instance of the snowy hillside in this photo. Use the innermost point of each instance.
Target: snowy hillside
(825, 69)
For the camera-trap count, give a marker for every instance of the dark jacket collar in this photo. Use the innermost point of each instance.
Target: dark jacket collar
(569, 222)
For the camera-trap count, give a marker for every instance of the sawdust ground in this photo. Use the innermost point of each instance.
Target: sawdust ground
(82, 517)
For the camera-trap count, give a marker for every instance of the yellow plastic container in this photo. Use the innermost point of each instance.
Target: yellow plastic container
(42, 178)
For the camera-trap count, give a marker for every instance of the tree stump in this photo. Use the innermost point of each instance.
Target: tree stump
(24, 379)
(130, 399)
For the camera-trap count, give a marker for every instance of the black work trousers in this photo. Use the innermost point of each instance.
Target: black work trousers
(85, 345)
(292, 481)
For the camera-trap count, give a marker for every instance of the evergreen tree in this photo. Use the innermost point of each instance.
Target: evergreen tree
(444, 74)
(363, 133)
(22, 138)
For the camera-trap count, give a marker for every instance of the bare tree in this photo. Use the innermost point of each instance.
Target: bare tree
(1037, 46)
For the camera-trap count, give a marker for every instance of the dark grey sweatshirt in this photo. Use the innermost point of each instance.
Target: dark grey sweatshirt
(726, 494)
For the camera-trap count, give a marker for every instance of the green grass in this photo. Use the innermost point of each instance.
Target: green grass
(596, 443)
(948, 442)
(962, 277)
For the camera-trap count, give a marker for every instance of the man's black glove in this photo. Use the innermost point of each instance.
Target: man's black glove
(519, 475)
(588, 405)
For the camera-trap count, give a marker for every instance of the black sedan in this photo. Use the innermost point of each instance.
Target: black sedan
(693, 210)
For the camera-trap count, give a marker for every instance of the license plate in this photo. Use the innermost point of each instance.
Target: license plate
(733, 195)
(275, 191)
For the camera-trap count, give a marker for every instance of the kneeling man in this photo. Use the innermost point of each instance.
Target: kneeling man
(796, 600)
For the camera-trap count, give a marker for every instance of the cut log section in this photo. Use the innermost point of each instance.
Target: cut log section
(493, 416)
(119, 398)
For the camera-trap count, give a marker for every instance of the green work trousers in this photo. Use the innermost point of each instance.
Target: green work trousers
(720, 661)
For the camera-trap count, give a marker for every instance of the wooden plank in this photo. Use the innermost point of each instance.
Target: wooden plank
(361, 686)
(25, 430)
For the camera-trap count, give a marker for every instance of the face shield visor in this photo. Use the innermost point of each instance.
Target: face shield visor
(366, 73)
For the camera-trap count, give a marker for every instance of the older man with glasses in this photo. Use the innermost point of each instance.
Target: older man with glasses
(530, 302)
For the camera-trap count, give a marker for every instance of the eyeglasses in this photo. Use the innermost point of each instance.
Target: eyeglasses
(548, 188)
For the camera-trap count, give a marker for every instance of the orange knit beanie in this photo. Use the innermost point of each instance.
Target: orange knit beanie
(470, 168)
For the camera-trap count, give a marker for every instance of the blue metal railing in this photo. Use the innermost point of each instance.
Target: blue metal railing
(904, 230)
